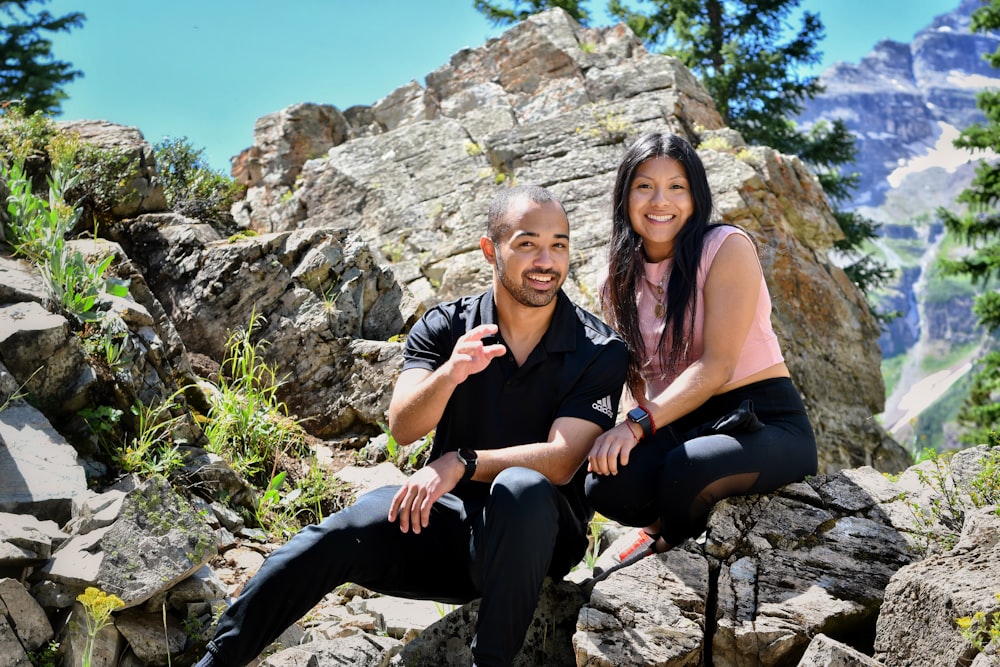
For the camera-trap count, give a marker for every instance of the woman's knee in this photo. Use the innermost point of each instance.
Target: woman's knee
(604, 489)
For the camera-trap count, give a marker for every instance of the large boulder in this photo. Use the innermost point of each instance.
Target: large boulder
(552, 103)
(328, 311)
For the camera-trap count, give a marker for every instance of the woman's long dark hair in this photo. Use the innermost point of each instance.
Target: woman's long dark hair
(625, 256)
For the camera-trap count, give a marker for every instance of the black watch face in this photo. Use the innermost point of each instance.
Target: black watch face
(638, 415)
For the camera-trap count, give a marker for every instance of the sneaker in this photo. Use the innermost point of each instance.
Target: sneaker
(640, 546)
(626, 550)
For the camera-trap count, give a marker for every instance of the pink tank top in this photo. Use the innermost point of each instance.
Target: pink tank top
(760, 350)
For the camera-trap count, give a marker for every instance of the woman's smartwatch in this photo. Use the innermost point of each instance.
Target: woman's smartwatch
(640, 415)
(470, 458)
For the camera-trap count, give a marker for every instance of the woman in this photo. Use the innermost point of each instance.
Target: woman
(713, 411)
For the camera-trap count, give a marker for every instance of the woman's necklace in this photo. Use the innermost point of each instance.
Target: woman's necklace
(659, 311)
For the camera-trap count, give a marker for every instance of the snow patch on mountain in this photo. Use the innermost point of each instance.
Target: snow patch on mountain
(966, 80)
(942, 154)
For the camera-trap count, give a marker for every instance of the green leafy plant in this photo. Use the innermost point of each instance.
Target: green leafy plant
(103, 421)
(75, 283)
(248, 425)
(596, 527)
(317, 494)
(269, 499)
(982, 629)
(952, 499)
(45, 656)
(151, 450)
(97, 607)
(36, 225)
(37, 230)
(109, 341)
(405, 458)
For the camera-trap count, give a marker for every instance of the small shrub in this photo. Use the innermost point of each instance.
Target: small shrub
(107, 181)
(953, 500)
(241, 235)
(24, 136)
(609, 126)
(715, 143)
(191, 186)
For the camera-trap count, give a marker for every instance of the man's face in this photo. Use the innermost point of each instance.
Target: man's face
(533, 257)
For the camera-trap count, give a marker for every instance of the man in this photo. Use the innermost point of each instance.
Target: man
(517, 383)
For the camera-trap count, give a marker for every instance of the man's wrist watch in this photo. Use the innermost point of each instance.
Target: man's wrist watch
(640, 415)
(469, 457)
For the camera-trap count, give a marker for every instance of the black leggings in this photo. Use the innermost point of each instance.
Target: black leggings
(753, 439)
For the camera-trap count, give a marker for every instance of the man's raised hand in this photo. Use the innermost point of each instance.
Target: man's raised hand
(473, 354)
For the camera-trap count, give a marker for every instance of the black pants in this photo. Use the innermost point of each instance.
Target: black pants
(753, 439)
(500, 549)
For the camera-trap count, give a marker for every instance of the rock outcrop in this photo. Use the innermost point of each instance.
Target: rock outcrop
(363, 218)
(412, 176)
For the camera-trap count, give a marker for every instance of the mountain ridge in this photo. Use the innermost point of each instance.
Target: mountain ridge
(906, 104)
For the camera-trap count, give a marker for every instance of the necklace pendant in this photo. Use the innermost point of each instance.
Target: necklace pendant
(658, 310)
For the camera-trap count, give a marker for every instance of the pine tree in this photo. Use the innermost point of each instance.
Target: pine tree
(29, 73)
(979, 226)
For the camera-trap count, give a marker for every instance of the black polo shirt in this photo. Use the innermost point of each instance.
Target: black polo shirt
(576, 370)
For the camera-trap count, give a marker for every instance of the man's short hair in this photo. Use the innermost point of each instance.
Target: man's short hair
(497, 226)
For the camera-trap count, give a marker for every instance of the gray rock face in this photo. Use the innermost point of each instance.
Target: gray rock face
(41, 472)
(328, 310)
(155, 541)
(827, 556)
(925, 599)
(554, 104)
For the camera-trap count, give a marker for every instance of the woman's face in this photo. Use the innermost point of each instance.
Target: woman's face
(659, 205)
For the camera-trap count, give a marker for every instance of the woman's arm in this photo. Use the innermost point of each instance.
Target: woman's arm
(730, 304)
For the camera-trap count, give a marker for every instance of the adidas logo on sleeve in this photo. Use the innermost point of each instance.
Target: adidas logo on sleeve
(604, 406)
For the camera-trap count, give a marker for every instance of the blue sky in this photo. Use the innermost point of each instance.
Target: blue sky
(208, 69)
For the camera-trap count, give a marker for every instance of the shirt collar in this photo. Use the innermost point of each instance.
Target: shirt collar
(561, 334)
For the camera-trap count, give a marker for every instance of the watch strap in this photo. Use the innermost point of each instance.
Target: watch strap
(470, 458)
(641, 416)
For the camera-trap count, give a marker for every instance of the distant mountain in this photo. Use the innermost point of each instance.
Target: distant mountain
(906, 103)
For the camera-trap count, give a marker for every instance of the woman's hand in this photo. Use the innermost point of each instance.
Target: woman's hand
(611, 449)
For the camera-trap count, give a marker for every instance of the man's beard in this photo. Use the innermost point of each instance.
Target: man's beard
(522, 293)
